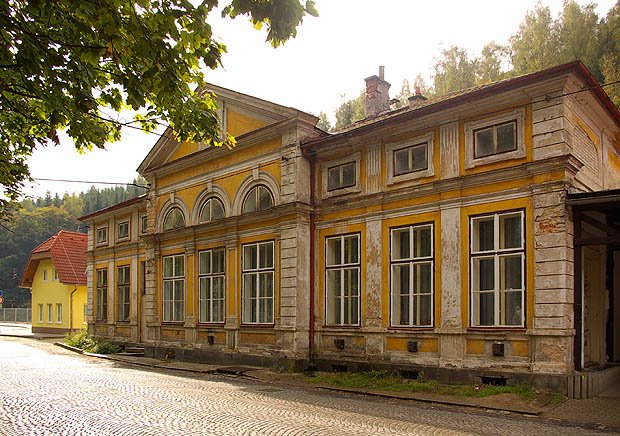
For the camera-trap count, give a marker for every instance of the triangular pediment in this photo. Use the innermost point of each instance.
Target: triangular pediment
(241, 115)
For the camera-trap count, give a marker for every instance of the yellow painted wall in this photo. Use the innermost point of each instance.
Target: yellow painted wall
(53, 292)
(239, 123)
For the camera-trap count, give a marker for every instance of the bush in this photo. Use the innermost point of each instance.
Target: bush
(91, 344)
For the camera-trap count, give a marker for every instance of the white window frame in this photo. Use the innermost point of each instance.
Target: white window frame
(390, 149)
(118, 230)
(176, 312)
(325, 166)
(496, 254)
(101, 235)
(209, 203)
(50, 312)
(174, 209)
(123, 293)
(206, 279)
(255, 274)
(342, 267)
(41, 317)
(45, 274)
(517, 115)
(58, 313)
(143, 224)
(101, 290)
(254, 190)
(85, 314)
(412, 262)
(55, 274)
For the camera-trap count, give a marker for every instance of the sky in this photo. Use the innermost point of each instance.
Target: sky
(325, 64)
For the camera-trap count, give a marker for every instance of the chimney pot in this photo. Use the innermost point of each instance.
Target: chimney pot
(381, 72)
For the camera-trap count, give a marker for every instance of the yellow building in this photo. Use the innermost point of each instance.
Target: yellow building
(56, 277)
(469, 236)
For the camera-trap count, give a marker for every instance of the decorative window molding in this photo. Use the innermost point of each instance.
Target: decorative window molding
(172, 216)
(212, 192)
(497, 269)
(411, 276)
(258, 271)
(340, 169)
(410, 159)
(342, 280)
(250, 182)
(101, 235)
(488, 127)
(211, 285)
(257, 199)
(123, 230)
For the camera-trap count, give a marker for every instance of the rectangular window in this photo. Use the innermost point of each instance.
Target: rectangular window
(258, 286)
(102, 235)
(143, 224)
(174, 288)
(58, 313)
(342, 280)
(410, 159)
(123, 292)
(85, 313)
(211, 285)
(45, 275)
(122, 230)
(341, 176)
(101, 311)
(55, 274)
(40, 313)
(50, 313)
(411, 269)
(495, 139)
(497, 265)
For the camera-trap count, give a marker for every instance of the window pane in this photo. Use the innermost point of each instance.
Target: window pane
(333, 293)
(510, 231)
(333, 178)
(351, 249)
(178, 266)
(510, 272)
(264, 201)
(484, 235)
(204, 262)
(249, 297)
(422, 242)
(485, 301)
(249, 257)
(422, 278)
(203, 295)
(420, 161)
(249, 205)
(400, 244)
(484, 143)
(217, 209)
(168, 266)
(266, 255)
(510, 308)
(401, 162)
(351, 285)
(205, 213)
(422, 309)
(506, 137)
(348, 174)
(217, 259)
(265, 285)
(484, 274)
(333, 251)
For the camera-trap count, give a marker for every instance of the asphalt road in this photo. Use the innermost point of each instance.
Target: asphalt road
(46, 390)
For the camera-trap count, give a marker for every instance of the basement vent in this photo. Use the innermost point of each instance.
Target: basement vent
(211, 339)
(493, 380)
(339, 344)
(412, 346)
(498, 349)
(409, 374)
(339, 368)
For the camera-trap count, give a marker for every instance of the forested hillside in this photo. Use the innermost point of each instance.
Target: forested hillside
(40, 218)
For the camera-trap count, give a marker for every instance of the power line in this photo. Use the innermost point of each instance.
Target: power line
(91, 182)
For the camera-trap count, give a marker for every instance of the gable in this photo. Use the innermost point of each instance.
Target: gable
(241, 115)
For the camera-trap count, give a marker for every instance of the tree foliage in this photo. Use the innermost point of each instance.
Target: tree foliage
(67, 65)
(350, 111)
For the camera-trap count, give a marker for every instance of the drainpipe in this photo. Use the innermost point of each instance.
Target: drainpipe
(71, 310)
(312, 160)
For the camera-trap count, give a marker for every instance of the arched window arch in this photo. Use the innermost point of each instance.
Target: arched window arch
(212, 209)
(258, 198)
(174, 219)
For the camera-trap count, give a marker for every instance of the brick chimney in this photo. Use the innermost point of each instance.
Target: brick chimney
(377, 95)
(417, 98)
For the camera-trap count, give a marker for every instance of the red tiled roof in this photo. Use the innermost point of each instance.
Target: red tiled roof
(68, 253)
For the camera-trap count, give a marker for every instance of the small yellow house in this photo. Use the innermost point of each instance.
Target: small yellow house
(56, 277)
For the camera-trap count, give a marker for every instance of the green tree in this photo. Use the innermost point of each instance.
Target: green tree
(72, 65)
(489, 64)
(609, 38)
(536, 45)
(324, 123)
(454, 71)
(350, 111)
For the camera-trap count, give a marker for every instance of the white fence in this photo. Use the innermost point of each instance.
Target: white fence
(16, 314)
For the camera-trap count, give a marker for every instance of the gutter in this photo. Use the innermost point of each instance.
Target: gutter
(312, 161)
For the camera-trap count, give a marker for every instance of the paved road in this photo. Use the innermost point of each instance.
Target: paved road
(47, 390)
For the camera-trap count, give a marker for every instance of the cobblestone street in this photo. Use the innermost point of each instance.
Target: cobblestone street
(47, 390)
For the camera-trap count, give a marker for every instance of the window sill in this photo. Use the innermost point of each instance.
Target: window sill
(210, 324)
(498, 329)
(342, 327)
(258, 326)
(412, 329)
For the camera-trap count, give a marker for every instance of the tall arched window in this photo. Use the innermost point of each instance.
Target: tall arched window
(259, 198)
(174, 219)
(212, 209)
